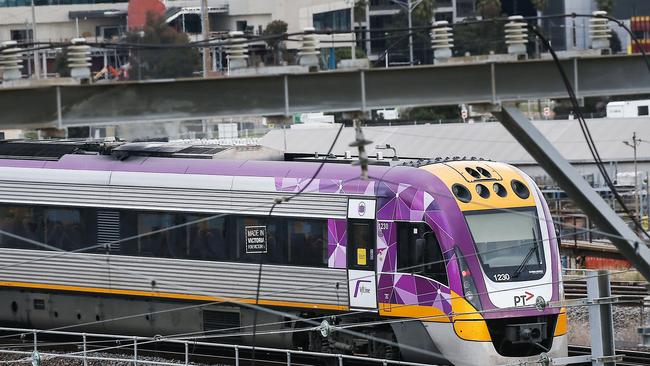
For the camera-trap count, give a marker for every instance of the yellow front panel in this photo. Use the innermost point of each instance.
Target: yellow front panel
(562, 325)
(424, 313)
(472, 330)
(454, 172)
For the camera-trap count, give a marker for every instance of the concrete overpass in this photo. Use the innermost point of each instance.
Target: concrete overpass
(355, 90)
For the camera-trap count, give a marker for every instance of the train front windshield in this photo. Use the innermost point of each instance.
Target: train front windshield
(508, 244)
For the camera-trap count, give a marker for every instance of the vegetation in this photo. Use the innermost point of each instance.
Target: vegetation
(488, 8)
(61, 63)
(167, 62)
(540, 5)
(360, 10)
(345, 53)
(606, 5)
(275, 29)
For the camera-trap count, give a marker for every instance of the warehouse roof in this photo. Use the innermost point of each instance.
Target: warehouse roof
(484, 140)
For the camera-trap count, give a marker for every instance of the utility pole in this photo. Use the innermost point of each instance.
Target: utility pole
(37, 61)
(634, 144)
(410, 20)
(409, 6)
(205, 31)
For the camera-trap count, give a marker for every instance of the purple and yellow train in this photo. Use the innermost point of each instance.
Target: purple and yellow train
(454, 258)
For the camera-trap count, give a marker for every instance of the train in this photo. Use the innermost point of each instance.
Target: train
(445, 261)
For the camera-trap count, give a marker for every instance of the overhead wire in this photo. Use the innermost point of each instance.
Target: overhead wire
(586, 132)
(307, 185)
(497, 309)
(276, 202)
(472, 254)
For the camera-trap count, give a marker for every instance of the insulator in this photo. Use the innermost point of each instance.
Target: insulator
(516, 35)
(237, 53)
(309, 49)
(599, 31)
(10, 61)
(442, 40)
(79, 59)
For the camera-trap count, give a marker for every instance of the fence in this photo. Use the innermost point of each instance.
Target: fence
(134, 341)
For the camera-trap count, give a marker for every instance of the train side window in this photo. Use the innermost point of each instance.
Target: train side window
(418, 252)
(154, 240)
(24, 221)
(259, 238)
(307, 242)
(207, 238)
(63, 228)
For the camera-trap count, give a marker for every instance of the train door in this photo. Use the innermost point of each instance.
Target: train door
(361, 255)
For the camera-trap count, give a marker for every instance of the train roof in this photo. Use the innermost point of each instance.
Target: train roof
(164, 158)
(294, 169)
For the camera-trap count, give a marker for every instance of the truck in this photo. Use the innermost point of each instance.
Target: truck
(628, 108)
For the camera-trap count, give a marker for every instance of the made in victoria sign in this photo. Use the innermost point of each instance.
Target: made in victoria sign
(255, 239)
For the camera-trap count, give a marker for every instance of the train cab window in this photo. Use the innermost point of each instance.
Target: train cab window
(418, 252)
(361, 245)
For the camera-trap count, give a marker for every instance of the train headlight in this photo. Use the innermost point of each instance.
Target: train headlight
(469, 287)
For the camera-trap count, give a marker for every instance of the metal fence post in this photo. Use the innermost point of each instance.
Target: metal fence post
(600, 318)
(340, 360)
(35, 340)
(236, 356)
(85, 349)
(135, 351)
(288, 358)
(187, 353)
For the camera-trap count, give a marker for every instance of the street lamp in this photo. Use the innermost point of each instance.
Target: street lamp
(634, 144)
(409, 5)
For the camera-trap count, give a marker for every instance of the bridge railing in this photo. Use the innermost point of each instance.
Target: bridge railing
(134, 344)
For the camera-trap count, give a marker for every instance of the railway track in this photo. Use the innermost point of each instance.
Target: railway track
(630, 358)
(630, 293)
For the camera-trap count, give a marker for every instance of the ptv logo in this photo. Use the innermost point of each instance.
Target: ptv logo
(520, 300)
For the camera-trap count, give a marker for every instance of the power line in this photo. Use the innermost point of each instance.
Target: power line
(586, 132)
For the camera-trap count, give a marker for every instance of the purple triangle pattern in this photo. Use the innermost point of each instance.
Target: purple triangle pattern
(386, 259)
(356, 186)
(337, 241)
(400, 202)
(404, 202)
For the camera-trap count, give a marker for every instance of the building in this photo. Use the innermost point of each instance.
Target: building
(106, 20)
(489, 141)
(61, 20)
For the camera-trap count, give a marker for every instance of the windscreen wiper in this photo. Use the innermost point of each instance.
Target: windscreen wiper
(532, 250)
